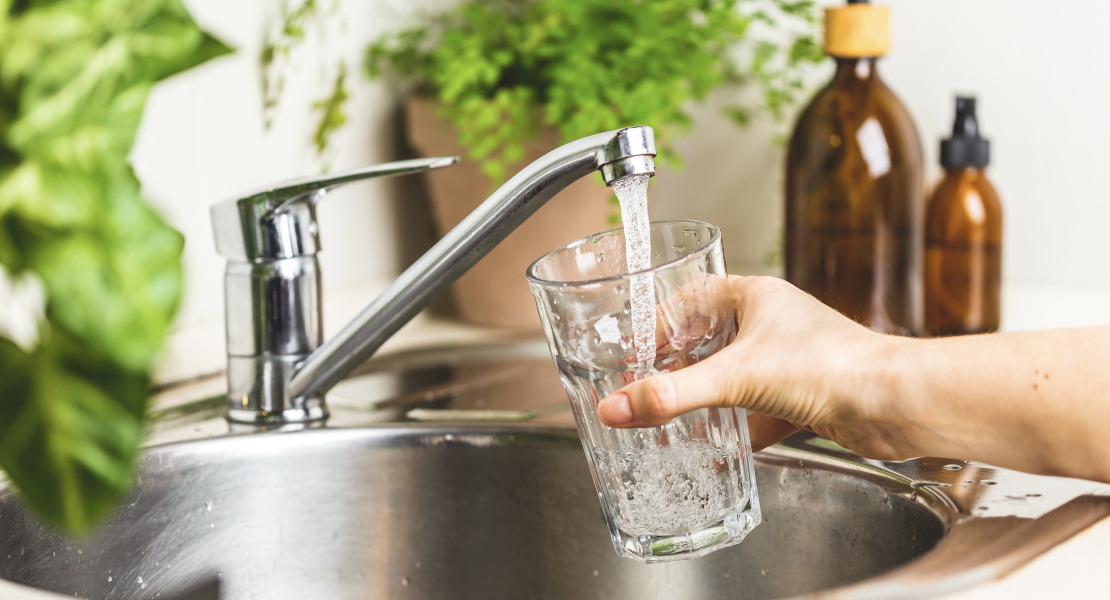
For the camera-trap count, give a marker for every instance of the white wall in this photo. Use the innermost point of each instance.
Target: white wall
(1036, 68)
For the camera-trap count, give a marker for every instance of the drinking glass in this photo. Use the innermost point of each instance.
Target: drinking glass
(683, 489)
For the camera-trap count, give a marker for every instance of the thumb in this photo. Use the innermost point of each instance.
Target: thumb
(656, 400)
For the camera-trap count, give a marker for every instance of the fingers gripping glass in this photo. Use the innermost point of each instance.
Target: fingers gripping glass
(683, 489)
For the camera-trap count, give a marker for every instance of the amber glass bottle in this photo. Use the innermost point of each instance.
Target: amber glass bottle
(855, 193)
(963, 236)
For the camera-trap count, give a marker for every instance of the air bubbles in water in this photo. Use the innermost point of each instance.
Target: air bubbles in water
(952, 467)
(674, 487)
(631, 191)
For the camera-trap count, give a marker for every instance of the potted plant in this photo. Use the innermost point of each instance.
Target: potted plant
(504, 81)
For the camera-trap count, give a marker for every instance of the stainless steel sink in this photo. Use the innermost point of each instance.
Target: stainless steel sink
(490, 505)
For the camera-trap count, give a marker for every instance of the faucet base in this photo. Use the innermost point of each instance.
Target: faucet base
(314, 410)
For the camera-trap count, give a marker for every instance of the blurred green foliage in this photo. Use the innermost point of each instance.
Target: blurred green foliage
(74, 77)
(503, 68)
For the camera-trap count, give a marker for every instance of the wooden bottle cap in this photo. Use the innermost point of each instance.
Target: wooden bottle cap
(857, 30)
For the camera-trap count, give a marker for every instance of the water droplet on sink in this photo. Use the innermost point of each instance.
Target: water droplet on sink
(989, 482)
(1032, 495)
(139, 579)
(212, 525)
(952, 467)
(600, 257)
(595, 572)
(208, 505)
(109, 579)
(78, 551)
(405, 581)
(763, 571)
(219, 575)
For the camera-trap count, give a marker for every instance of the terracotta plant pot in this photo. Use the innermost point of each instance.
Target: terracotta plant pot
(495, 292)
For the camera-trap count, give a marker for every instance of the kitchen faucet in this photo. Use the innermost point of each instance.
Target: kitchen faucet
(278, 369)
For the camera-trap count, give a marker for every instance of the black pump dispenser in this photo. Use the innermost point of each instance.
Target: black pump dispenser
(965, 148)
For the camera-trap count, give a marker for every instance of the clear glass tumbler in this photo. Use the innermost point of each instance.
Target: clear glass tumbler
(683, 489)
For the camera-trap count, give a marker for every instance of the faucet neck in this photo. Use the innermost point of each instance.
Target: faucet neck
(615, 153)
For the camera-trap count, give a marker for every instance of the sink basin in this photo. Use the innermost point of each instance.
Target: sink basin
(491, 510)
(435, 512)
(417, 512)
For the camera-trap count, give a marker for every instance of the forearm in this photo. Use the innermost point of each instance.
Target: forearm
(1036, 402)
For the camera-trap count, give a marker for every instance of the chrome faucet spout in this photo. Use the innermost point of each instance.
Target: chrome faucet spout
(303, 382)
(467, 243)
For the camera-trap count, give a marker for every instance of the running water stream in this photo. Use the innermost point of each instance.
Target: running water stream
(631, 191)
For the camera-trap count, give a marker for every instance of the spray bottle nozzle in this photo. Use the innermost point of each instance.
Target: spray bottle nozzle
(966, 124)
(965, 148)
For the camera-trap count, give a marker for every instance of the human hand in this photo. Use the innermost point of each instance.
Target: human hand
(795, 362)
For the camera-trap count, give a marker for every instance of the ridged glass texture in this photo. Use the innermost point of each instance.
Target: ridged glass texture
(683, 489)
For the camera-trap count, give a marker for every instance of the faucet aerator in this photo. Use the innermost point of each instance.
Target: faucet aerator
(633, 165)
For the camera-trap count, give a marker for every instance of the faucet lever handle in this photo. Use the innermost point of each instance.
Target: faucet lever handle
(280, 221)
(313, 188)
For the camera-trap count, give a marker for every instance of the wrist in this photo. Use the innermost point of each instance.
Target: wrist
(894, 398)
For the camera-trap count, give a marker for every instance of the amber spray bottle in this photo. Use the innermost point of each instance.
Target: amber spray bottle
(855, 193)
(963, 236)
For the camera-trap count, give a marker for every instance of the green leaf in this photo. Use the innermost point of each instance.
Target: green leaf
(332, 115)
(70, 426)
